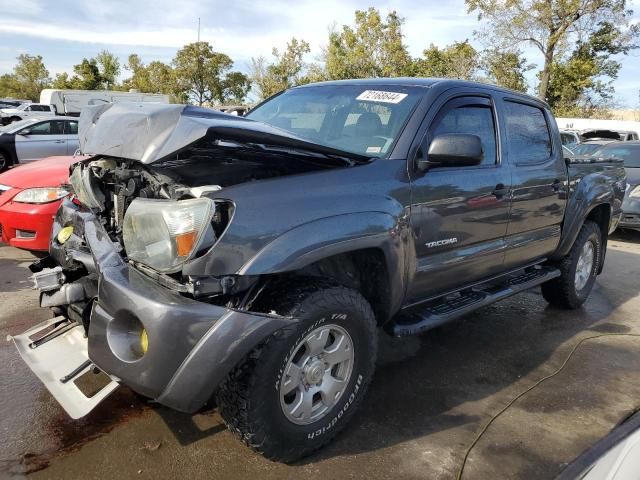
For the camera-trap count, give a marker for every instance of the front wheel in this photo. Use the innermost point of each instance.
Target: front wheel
(296, 391)
(4, 162)
(578, 270)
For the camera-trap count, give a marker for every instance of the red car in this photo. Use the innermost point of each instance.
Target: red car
(29, 199)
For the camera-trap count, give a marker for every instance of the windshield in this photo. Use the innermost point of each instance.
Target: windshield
(629, 154)
(352, 118)
(586, 148)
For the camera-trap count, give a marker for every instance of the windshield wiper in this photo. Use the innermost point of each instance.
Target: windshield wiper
(322, 152)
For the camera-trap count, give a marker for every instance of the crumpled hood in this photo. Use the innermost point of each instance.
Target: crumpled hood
(148, 132)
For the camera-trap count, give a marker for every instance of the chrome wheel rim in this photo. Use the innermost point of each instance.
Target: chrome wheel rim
(584, 266)
(316, 374)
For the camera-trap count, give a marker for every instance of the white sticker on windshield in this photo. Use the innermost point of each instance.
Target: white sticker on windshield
(380, 96)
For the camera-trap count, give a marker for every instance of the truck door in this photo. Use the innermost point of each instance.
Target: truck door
(539, 177)
(459, 214)
(41, 140)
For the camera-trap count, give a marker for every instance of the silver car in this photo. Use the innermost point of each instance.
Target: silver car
(34, 139)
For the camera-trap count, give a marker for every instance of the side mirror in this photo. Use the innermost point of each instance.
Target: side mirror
(25, 132)
(451, 150)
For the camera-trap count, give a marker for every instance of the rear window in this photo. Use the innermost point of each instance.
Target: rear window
(527, 133)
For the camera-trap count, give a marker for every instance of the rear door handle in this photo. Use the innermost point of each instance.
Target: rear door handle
(59, 141)
(500, 190)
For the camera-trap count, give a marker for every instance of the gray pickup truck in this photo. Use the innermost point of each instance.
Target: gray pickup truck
(254, 260)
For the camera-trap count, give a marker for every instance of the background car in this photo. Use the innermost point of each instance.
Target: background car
(26, 110)
(29, 199)
(629, 153)
(35, 139)
(590, 146)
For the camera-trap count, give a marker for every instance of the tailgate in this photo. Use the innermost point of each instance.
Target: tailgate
(56, 351)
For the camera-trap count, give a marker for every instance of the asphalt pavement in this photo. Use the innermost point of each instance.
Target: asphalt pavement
(430, 397)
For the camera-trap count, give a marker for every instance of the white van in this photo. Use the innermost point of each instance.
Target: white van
(70, 102)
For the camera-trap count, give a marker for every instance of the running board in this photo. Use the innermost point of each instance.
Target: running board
(453, 306)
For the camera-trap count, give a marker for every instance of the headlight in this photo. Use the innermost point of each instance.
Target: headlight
(85, 189)
(635, 193)
(163, 234)
(40, 195)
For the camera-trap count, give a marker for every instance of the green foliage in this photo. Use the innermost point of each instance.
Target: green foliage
(285, 72)
(506, 68)
(29, 77)
(373, 47)
(87, 75)
(109, 67)
(581, 85)
(459, 60)
(205, 76)
(552, 26)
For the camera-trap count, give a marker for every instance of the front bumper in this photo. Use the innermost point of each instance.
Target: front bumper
(630, 211)
(192, 345)
(25, 225)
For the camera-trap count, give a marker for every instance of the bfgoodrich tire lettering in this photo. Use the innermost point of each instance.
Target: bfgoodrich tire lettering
(562, 291)
(250, 399)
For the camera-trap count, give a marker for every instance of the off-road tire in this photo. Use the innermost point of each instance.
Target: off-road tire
(561, 291)
(249, 399)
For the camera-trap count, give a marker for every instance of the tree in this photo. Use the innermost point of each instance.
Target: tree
(371, 48)
(581, 85)
(459, 60)
(87, 75)
(62, 81)
(285, 72)
(157, 77)
(506, 68)
(29, 77)
(552, 25)
(204, 75)
(109, 68)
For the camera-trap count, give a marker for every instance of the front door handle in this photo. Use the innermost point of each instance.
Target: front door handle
(500, 191)
(59, 141)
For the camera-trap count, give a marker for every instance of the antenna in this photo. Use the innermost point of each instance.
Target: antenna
(198, 29)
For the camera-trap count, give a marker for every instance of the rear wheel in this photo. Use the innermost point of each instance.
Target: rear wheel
(4, 162)
(296, 391)
(578, 270)
(14, 119)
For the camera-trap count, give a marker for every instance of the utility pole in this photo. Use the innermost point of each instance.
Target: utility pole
(198, 29)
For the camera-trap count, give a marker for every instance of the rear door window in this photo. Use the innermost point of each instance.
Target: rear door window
(527, 134)
(71, 128)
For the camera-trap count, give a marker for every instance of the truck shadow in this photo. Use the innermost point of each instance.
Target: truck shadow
(422, 383)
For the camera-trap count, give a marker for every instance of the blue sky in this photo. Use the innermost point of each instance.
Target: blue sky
(65, 31)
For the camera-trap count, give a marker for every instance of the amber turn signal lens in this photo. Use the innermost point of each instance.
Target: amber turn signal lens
(144, 341)
(185, 243)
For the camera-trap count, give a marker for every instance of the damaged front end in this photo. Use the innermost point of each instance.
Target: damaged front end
(114, 318)
(127, 305)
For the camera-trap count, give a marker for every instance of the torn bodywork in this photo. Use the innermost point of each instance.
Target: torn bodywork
(160, 306)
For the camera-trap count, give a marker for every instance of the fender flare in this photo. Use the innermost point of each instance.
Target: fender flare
(330, 236)
(593, 191)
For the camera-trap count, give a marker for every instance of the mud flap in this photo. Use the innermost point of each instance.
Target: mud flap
(58, 355)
